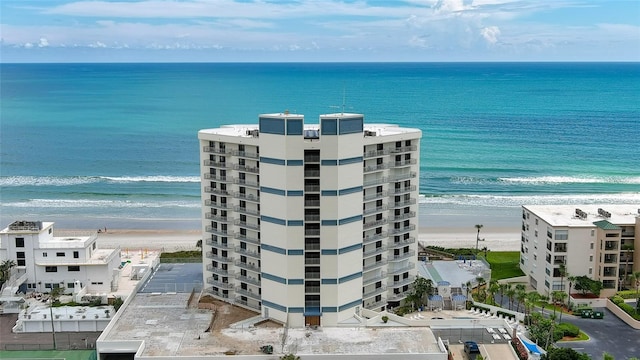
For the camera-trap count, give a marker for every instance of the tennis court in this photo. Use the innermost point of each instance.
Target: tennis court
(49, 355)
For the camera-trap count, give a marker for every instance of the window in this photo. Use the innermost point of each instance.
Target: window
(73, 268)
(76, 254)
(94, 246)
(21, 262)
(590, 258)
(51, 269)
(44, 254)
(591, 246)
(590, 271)
(70, 285)
(19, 242)
(60, 254)
(20, 255)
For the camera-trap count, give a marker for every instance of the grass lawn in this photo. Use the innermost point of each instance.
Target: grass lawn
(504, 264)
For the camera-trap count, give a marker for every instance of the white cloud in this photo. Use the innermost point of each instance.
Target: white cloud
(490, 34)
(43, 42)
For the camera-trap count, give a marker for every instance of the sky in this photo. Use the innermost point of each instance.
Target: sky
(319, 30)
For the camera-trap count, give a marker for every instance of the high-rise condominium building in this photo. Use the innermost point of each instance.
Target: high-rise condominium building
(597, 241)
(308, 223)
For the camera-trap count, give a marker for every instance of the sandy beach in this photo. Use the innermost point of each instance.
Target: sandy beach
(497, 239)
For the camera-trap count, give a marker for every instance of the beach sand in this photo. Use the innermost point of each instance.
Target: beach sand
(497, 239)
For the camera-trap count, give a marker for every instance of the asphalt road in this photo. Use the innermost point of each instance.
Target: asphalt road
(609, 334)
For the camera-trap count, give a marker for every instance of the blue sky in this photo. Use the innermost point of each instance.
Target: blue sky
(319, 30)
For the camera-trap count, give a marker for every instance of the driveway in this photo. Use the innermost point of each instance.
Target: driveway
(609, 334)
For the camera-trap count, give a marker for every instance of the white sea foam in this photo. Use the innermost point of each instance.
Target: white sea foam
(519, 200)
(105, 204)
(545, 180)
(9, 181)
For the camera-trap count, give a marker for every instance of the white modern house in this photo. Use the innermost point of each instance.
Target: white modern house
(45, 261)
(597, 241)
(310, 223)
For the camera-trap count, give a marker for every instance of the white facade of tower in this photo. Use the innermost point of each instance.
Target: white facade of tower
(307, 223)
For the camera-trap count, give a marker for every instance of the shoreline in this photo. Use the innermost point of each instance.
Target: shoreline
(495, 239)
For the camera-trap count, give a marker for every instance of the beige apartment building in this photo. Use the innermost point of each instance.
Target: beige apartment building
(593, 240)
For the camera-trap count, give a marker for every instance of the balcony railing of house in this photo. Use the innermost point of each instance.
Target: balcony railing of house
(245, 168)
(312, 173)
(312, 275)
(560, 248)
(375, 181)
(312, 289)
(374, 223)
(212, 190)
(402, 282)
(311, 232)
(374, 196)
(403, 149)
(374, 278)
(209, 176)
(376, 305)
(245, 182)
(312, 261)
(213, 150)
(374, 265)
(217, 244)
(248, 265)
(219, 271)
(216, 293)
(312, 217)
(373, 210)
(218, 205)
(249, 293)
(312, 203)
(377, 167)
(246, 154)
(217, 257)
(403, 176)
(404, 203)
(375, 237)
(216, 164)
(250, 253)
(374, 153)
(312, 188)
(404, 255)
(212, 230)
(402, 229)
(403, 216)
(405, 162)
(247, 238)
(402, 190)
(374, 251)
(400, 270)
(244, 196)
(245, 303)
(244, 210)
(246, 225)
(398, 297)
(219, 284)
(216, 217)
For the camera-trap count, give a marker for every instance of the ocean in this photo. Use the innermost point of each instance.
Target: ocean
(115, 145)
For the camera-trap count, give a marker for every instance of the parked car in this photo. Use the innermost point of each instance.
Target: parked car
(471, 347)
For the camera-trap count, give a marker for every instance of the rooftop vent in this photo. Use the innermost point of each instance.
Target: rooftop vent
(581, 214)
(253, 133)
(369, 133)
(22, 225)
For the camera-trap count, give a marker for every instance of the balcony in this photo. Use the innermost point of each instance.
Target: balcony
(217, 244)
(218, 177)
(401, 270)
(374, 278)
(312, 217)
(244, 210)
(247, 293)
(247, 225)
(245, 182)
(312, 261)
(250, 305)
(212, 190)
(399, 296)
(373, 224)
(375, 181)
(374, 292)
(374, 210)
(312, 289)
(406, 162)
(311, 158)
(247, 238)
(216, 293)
(609, 272)
(248, 197)
(219, 284)
(610, 259)
(374, 251)
(217, 205)
(402, 149)
(560, 248)
(312, 203)
(213, 150)
(558, 260)
(374, 265)
(611, 246)
(402, 190)
(312, 188)
(311, 173)
(399, 204)
(378, 167)
(402, 282)
(245, 154)
(312, 232)
(216, 257)
(403, 216)
(402, 243)
(219, 271)
(312, 275)
(376, 305)
(251, 266)
(374, 196)
(245, 168)
(216, 164)
(404, 176)
(368, 239)
(216, 217)
(402, 229)
(375, 153)
(212, 230)
(404, 255)
(249, 253)
(249, 280)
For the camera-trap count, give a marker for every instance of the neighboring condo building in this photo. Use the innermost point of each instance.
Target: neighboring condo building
(308, 223)
(592, 240)
(44, 261)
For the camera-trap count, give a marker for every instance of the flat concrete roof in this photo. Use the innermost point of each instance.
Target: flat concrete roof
(169, 328)
(565, 215)
(240, 130)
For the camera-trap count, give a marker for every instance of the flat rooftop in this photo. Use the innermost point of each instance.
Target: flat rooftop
(245, 130)
(565, 215)
(169, 328)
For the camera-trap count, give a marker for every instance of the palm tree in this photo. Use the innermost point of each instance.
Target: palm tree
(422, 287)
(635, 279)
(503, 288)
(511, 293)
(521, 295)
(520, 289)
(531, 300)
(5, 270)
(572, 280)
(480, 281)
(494, 287)
(478, 226)
(468, 286)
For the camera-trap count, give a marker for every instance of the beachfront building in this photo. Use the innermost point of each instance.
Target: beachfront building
(597, 241)
(309, 223)
(44, 261)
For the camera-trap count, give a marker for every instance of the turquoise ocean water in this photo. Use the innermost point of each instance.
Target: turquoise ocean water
(94, 145)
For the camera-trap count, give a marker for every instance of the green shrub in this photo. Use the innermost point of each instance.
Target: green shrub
(569, 329)
(626, 294)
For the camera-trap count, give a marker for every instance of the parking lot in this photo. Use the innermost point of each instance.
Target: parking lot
(180, 278)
